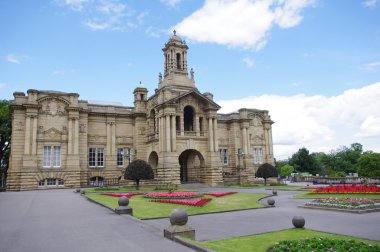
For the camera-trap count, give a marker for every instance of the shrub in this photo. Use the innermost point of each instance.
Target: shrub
(266, 171)
(322, 245)
(138, 170)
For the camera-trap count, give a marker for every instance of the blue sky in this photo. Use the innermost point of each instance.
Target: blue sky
(314, 64)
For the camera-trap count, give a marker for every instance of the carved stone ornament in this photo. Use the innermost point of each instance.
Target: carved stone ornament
(53, 107)
(19, 126)
(52, 134)
(82, 128)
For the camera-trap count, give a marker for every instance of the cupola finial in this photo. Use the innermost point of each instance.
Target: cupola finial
(174, 32)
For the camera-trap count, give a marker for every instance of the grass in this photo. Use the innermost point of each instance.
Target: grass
(277, 187)
(337, 195)
(123, 189)
(261, 242)
(144, 209)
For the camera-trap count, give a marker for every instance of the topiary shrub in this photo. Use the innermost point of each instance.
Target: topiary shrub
(266, 171)
(138, 170)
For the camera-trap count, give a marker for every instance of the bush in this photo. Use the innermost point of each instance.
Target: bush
(322, 245)
(138, 170)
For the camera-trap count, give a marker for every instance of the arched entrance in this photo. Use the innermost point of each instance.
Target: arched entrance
(191, 164)
(153, 161)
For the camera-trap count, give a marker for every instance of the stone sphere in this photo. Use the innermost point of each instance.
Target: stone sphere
(274, 192)
(83, 192)
(77, 190)
(271, 202)
(178, 217)
(123, 201)
(298, 221)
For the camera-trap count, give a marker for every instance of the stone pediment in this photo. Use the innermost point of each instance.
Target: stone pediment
(196, 96)
(52, 134)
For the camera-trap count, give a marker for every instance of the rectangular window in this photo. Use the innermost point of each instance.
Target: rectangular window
(91, 157)
(96, 157)
(223, 156)
(120, 157)
(52, 156)
(100, 157)
(258, 157)
(51, 182)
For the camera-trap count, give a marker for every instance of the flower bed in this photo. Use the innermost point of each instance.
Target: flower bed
(350, 203)
(121, 194)
(218, 194)
(188, 202)
(349, 188)
(172, 195)
(322, 245)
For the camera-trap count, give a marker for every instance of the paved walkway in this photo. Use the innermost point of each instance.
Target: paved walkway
(240, 223)
(60, 220)
(63, 221)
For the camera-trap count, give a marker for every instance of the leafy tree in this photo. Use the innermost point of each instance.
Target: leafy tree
(138, 170)
(369, 165)
(5, 137)
(266, 171)
(286, 170)
(302, 161)
(279, 164)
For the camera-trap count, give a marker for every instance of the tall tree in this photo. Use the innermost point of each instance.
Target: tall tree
(139, 170)
(5, 137)
(302, 161)
(369, 165)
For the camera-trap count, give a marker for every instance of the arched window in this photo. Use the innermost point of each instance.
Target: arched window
(188, 118)
(179, 61)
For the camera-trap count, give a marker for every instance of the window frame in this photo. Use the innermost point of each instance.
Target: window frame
(52, 156)
(96, 157)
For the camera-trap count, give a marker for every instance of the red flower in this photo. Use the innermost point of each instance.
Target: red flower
(122, 194)
(187, 202)
(218, 194)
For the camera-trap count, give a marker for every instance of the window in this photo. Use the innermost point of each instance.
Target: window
(50, 182)
(120, 157)
(223, 156)
(96, 157)
(52, 156)
(258, 156)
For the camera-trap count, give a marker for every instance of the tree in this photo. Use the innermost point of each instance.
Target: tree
(138, 170)
(266, 171)
(5, 138)
(302, 161)
(286, 170)
(369, 165)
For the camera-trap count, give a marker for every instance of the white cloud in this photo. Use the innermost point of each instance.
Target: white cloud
(317, 122)
(372, 66)
(241, 23)
(155, 32)
(371, 3)
(13, 59)
(102, 15)
(171, 3)
(249, 62)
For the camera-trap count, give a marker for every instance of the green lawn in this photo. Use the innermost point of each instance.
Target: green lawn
(261, 242)
(143, 208)
(337, 195)
(280, 187)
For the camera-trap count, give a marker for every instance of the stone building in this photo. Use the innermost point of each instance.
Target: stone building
(61, 141)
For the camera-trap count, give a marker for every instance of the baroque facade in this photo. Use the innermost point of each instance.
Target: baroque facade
(61, 141)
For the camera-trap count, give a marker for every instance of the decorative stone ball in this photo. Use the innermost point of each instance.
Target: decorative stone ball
(178, 217)
(271, 202)
(274, 192)
(298, 221)
(123, 201)
(83, 192)
(77, 190)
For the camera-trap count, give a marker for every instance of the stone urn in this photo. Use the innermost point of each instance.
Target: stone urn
(271, 202)
(274, 192)
(178, 217)
(298, 221)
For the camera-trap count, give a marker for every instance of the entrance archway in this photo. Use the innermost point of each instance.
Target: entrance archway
(191, 164)
(153, 161)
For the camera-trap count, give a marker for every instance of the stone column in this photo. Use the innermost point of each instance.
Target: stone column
(197, 125)
(70, 137)
(174, 133)
(182, 125)
(34, 135)
(167, 125)
(113, 139)
(244, 135)
(76, 136)
(248, 143)
(210, 134)
(27, 136)
(215, 129)
(108, 139)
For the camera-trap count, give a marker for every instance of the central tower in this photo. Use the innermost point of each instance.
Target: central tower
(175, 65)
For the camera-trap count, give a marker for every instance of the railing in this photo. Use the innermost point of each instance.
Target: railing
(191, 133)
(337, 180)
(104, 183)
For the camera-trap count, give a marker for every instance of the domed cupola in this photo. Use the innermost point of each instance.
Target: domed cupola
(175, 69)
